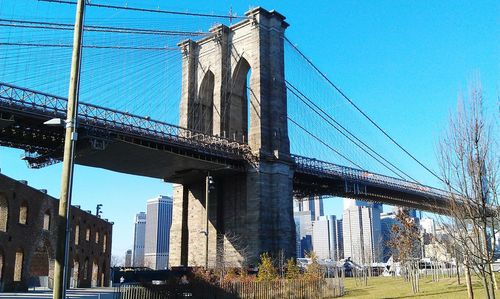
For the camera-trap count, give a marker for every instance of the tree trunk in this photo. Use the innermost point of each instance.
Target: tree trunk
(493, 277)
(468, 280)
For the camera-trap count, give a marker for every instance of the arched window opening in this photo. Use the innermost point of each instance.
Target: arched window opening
(23, 213)
(104, 243)
(74, 273)
(86, 269)
(97, 237)
(1, 265)
(18, 265)
(39, 263)
(87, 235)
(46, 220)
(4, 213)
(77, 234)
(103, 277)
(202, 108)
(236, 116)
(95, 274)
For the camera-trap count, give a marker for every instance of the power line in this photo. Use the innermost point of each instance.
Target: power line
(362, 112)
(191, 14)
(345, 131)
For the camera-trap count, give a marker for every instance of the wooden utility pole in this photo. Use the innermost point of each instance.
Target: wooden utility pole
(207, 195)
(63, 229)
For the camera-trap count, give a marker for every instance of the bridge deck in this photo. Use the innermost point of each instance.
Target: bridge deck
(133, 144)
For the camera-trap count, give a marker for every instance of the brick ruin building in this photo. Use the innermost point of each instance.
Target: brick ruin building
(28, 237)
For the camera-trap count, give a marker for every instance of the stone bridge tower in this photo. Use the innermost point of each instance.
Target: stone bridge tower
(233, 85)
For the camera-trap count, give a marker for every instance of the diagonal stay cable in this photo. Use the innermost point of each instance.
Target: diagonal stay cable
(345, 132)
(324, 143)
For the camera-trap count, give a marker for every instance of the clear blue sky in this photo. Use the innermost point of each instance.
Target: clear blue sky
(404, 62)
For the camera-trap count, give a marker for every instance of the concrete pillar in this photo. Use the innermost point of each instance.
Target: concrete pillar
(250, 212)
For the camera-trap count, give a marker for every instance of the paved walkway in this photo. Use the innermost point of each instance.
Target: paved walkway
(94, 293)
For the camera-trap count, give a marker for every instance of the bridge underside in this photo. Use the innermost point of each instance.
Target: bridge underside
(111, 151)
(307, 184)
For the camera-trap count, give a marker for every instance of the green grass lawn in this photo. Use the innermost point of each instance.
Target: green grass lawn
(391, 287)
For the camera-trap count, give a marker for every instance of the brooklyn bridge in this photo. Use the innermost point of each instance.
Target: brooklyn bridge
(242, 119)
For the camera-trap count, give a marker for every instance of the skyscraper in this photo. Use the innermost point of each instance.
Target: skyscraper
(387, 221)
(361, 232)
(305, 211)
(339, 251)
(158, 222)
(139, 239)
(324, 237)
(128, 258)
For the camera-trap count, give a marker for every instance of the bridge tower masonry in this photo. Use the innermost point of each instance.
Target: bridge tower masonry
(233, 85)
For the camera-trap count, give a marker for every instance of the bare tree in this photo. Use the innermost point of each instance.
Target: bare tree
(116, 261)
(405, 243)
(232, 252)
(469, 164)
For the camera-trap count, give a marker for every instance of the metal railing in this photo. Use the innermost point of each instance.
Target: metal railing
(323, 168)
(46, 105)
(92, 116)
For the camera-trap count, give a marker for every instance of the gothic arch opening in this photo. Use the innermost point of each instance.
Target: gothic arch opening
(237, 120)
(4, 213)
(202, 107)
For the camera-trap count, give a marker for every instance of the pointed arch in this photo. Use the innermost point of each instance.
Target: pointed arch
(236, 120)
(202, 106)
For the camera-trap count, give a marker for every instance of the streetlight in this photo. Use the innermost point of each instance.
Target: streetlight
(209, 185)
(62, 251)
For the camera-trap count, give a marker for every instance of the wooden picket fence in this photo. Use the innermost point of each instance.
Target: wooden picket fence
(325, 288)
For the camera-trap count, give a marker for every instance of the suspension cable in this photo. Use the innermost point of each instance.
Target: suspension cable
(362, 112)
(191, 14)
(345, 132)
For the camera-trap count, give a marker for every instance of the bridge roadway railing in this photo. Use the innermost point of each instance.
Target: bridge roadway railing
(45, 105)
(322, 168)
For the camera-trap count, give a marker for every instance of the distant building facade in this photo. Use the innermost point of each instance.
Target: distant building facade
(324, 237)
(139, 239)
(305, 211)
(339, 252)
(362, 231)
(128, 258)
(428, 226)
(387, 220)
(158, 223)
(28, 238)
